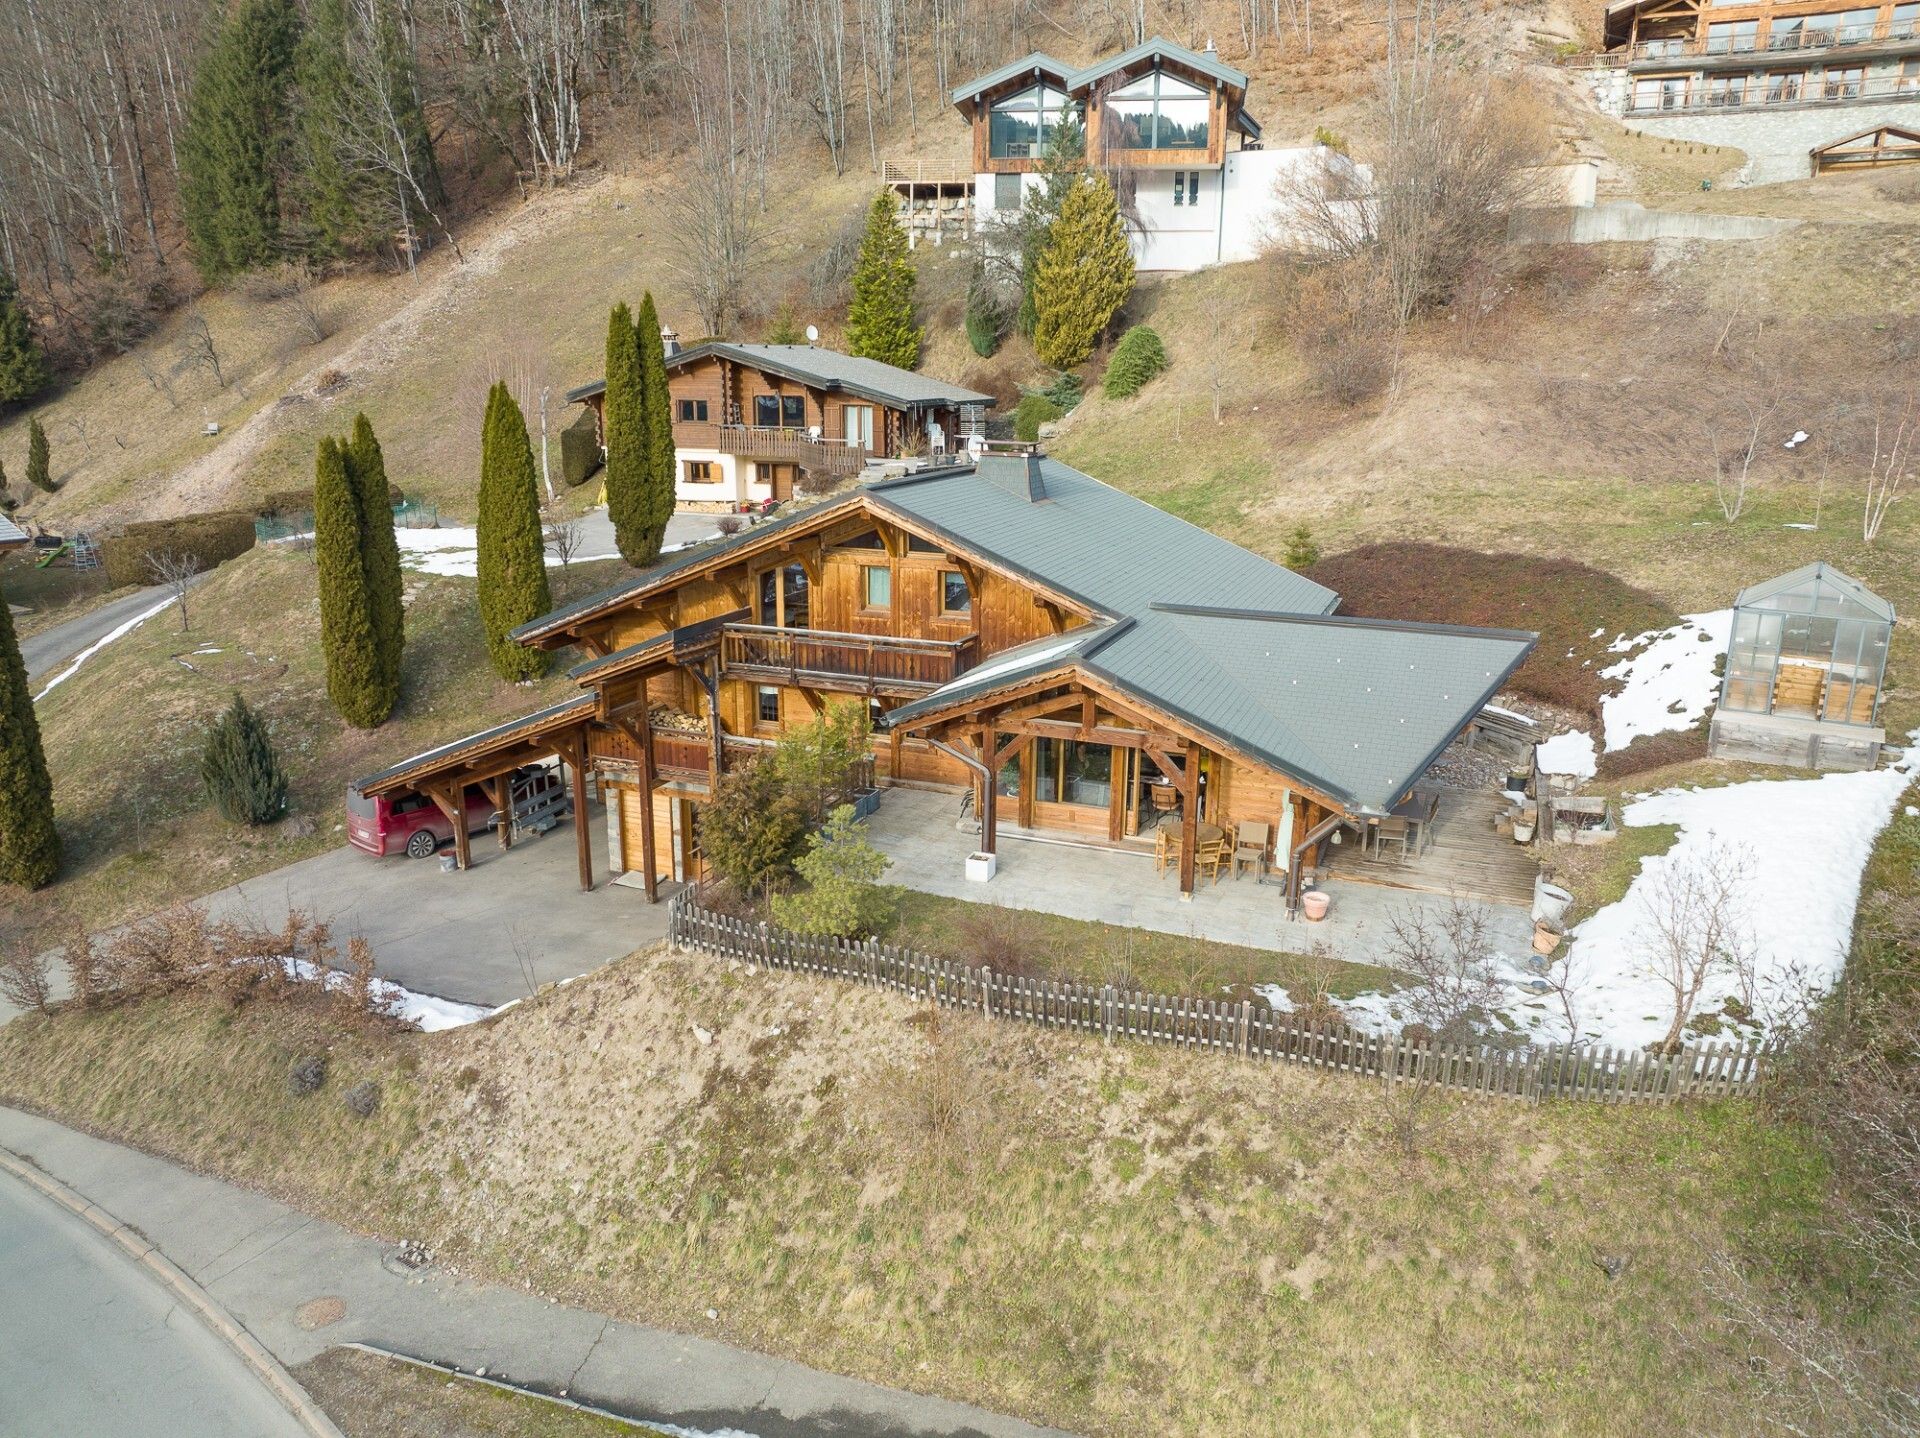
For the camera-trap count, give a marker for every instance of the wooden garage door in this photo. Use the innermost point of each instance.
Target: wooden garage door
(663, 826)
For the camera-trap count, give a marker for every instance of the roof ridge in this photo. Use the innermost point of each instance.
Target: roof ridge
(1341, 621)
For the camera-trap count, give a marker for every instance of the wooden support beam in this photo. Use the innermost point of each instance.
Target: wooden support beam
(451, 800)
(582, 832)
(1006, 751)
(500, 790)
(1189, 825)
(814, 701)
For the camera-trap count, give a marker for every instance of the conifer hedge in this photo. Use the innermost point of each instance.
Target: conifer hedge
(624, 422)
(358, 680)
(379, 550)
(656, 413)
(1082, 276)
(512, 557)
(29, 842)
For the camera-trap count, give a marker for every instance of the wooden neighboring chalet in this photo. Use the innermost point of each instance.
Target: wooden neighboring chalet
(749, 420)
(1085, 662)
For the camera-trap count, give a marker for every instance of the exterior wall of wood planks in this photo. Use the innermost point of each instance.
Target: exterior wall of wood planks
(1238, 1028)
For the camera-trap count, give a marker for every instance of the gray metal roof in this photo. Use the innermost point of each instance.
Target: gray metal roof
(824, 369)
(1800, 591)
(1014, 70)
(11, 533)
(580, 706)
(1208, 64)
(1089, 540)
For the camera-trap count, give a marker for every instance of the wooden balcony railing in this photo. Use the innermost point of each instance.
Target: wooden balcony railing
(1811, 38)
(926, 172)
(862, 663)
(774, 444)
(681, 756)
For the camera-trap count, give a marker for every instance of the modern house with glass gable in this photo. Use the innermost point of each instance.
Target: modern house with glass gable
(1196, 185)
(1805, 672)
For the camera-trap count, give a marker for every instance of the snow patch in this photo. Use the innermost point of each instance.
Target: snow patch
(120, 632)
(427, 1012)
(1569, 753)
(1668, 685)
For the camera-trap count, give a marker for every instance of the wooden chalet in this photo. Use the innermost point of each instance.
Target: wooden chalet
(750, 420)
(1085, 662)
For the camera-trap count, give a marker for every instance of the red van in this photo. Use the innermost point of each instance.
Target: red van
(409, 824)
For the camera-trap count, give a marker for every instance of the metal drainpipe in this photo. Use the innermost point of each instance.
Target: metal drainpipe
(979, 820)
(1314, 835)
(1220, 220)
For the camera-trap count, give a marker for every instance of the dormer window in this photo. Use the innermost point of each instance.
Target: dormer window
(1019, 127)
(1158, 112)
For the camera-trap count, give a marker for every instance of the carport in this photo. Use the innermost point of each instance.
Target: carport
(489, 759)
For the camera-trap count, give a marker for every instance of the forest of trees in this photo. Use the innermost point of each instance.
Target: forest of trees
(150, 147)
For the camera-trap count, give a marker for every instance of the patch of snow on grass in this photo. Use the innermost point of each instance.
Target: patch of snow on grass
(1668, 685)
(427, 1012)
(1277, 997)
(1568, 753)
(119, 632)
(1806, 843)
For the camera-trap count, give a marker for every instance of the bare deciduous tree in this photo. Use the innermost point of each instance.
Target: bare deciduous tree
(1891, 462)
(719, 237)
(1694, 925)
(175, 571)
(564, 535)
(1448, 950)
(26, 979)
(198, 350)
(1741, 397)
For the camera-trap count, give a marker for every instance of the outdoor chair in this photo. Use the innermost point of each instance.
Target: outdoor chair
(1210, 859)
(1166, 849)
(1250, 847)
(1387, 832)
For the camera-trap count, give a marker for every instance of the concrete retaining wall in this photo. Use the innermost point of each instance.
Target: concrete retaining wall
(1777, 142)
(1604, 224)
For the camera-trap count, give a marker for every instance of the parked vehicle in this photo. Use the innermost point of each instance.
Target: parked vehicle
(409, 824)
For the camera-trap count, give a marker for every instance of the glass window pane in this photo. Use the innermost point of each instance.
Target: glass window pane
(796, 597)
(955, 597)
(1131, 124)
(793, 411)
(1046, 770)
(766, 410)
(1014, 136)
(879, 587)
(1138, 89)
(1183, 125)
(770, 597)
(1027, 99)
(1007, 783)
(1172, 86)
(1089, 773)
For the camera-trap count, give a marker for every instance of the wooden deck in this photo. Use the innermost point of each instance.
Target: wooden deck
(1466, 857)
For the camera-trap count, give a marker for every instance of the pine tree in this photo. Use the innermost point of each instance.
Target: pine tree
(29, 843)
(232, 145)
(880, 321)
(1083, 275)
(39, 465)
(512, 559)
(379, 550)
(1136, 359)
(23, 366)
(357, 678)
(656, 413)
(623, 421)
(240, 768)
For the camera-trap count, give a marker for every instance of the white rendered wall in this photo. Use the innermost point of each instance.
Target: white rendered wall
(726, 487)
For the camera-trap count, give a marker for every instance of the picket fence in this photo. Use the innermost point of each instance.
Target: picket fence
(1239, 1027)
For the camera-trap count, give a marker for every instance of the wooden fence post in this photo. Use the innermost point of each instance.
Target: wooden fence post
(986, 991)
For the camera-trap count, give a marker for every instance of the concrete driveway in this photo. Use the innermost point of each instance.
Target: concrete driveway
(481, 937)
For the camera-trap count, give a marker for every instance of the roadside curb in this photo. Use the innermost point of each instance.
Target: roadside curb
(182, 1285)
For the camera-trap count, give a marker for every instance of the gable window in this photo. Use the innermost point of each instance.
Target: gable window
(1159, 112)
(784, 596)
(766, 705)
(693, 409)
(699, 471)
(1019, 127)
(876, 586)
(955, 596)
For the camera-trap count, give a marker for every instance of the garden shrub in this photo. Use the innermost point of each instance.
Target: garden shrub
(580, 457)
(240, 769)
(306, 1075)
(211, 538)
(843, 897)
(363, 1099)
(1136, 359)
(1033, 411)
(1303, 550)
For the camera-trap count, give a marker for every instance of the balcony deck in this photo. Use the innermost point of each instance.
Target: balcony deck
(773, 444)
(844, 663)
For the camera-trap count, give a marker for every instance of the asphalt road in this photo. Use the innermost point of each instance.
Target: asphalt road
(48, 650)
(91, 1344)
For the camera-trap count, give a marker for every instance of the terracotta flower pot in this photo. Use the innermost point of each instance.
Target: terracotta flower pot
(1314, 904)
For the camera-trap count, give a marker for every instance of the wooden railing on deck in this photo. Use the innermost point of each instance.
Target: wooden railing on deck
(774, 443)
(681, 756)
(871, 662)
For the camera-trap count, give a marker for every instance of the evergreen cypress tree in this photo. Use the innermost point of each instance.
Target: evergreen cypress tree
(29, 843)
(379, 550)
(357, 678)
(1083, 275)
(624, 423)
(240, 769)
(512, 558)
(656, 413)
(231, 147)
(39, 466)
(23, 366)
(880, 321)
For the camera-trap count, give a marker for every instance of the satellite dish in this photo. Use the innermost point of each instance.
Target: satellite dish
(813, 334)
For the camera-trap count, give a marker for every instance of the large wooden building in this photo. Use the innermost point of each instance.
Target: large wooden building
(750, 420)
(1085, 662)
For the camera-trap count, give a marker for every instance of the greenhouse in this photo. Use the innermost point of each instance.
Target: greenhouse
(1805, 667)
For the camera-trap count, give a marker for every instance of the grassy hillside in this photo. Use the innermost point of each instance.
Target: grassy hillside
(1115, 1239)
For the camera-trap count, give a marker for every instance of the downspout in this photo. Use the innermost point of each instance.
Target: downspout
(1220, 221)
(986, 777)
(1314, 835)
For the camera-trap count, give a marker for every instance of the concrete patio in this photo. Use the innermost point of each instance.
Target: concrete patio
(928, 841)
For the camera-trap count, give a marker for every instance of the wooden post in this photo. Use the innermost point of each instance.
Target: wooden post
(646, 806)
(455, 808)
(582, 834)
(1189, 819)
(500, 789)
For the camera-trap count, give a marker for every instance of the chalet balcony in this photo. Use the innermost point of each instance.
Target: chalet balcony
(1766, 92)
(1805, 41)
(843, 663)
(774, 444)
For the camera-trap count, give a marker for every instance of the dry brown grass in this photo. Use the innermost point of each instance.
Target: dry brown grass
(1115, 1239)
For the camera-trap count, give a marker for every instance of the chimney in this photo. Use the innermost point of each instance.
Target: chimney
(1036, 482)
(1210, 50)
(669, 341)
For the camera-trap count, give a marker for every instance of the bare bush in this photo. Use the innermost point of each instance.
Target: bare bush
(1338, 318)
(82, 965)
(363, 1099)
(306, 1075)
(1739, 397)
(1890, 463)
(1694, 926)
(988, 936)
(942, 1097)
(198, 349)
(175, 571)
(564, 534)
(26, 979)
(1448, 951)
